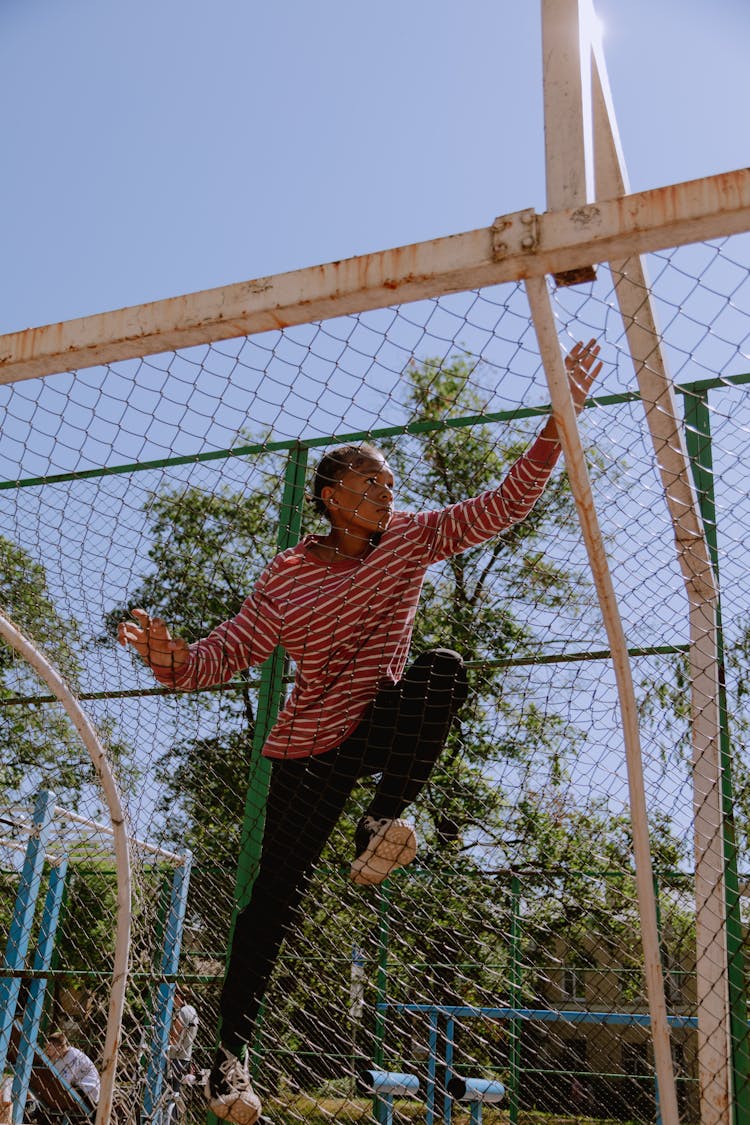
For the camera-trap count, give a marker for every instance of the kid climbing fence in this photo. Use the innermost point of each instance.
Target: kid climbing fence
(159, 457)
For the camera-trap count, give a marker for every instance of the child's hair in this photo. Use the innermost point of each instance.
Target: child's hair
(333, 466)
(58, 1039)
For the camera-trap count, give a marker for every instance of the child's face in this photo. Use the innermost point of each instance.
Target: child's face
(363, 498)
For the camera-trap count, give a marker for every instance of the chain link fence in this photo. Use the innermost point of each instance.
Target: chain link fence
(510, 949)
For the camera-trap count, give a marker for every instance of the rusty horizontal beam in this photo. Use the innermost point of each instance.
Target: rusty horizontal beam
(515, 247)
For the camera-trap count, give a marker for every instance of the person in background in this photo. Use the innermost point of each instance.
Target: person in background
(182, 1035)
(74, 1067)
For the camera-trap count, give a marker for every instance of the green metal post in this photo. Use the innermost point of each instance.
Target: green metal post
(514, 978)
(270, 695)
(698, 427)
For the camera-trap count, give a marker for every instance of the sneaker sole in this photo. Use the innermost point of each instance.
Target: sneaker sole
(392, 847)
(237, 1111)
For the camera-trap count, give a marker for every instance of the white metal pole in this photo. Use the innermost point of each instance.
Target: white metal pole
(60, 689)
(564, 414)
(711, 954)
(663, 420)
(568, 148)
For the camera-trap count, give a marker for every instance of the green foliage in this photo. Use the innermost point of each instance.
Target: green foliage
(206, 551)
(666, 708)
(206, 779)
(499, 798)
(38, 746)
(25, 598)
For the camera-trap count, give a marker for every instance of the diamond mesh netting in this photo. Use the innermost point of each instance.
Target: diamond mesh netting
(509, 949)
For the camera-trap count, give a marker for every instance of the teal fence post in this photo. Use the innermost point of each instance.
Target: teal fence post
(381, 984)
(432, 1064)
(170, 962)
(379, 1107)
(32, 1015)
(698, 430)
(23, 917)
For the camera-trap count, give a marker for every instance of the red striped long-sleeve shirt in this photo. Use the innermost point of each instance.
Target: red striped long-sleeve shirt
(348, 624)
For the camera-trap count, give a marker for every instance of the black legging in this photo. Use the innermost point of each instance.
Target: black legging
(400, 738)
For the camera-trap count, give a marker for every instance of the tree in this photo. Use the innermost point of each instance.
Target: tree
(38, 746)
(208, 548)
(205, 553)
(666, 709)
(471, 602)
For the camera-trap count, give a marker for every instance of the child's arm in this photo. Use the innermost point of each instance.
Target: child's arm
(234, 645)
(471, 522)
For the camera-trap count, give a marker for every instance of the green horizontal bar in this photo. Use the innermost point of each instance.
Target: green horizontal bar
(240, 685)
(305, 443)
(130, 693)
(41, 974)
(362, 435)
(575, 657)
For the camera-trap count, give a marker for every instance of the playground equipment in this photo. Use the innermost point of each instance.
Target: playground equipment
(387, 1085)
(53, 846)
(62, 693)
(476, 1092)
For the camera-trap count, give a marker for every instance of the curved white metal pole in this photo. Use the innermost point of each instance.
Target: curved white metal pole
(57, 685)
(564, 414)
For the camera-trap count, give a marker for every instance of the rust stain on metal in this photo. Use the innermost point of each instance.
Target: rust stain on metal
(583, 216)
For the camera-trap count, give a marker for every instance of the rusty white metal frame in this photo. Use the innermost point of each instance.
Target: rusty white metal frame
(516, 246)
(57, 685)
(572, 149)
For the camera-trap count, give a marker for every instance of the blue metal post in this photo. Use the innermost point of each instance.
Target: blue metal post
(450, 1040)
(32, 1015)
(165, 996)
(432, 1066)
(23, 917)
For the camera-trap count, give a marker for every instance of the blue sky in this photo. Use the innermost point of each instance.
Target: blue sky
(156, 147)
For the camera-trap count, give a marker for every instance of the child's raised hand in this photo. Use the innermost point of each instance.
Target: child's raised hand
(583, 366)
(151, 639)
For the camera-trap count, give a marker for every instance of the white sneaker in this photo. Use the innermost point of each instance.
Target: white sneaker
(228, 1091)
(382, 846)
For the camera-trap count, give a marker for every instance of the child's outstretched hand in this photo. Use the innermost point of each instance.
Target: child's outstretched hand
(583, 366)
(151, 639)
